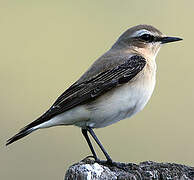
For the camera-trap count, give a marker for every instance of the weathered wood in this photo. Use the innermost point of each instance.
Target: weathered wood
(89, 170)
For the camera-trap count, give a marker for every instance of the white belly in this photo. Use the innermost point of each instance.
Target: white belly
(119, 104)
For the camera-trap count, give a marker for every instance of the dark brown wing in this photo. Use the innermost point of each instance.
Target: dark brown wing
(80, 93)
(86, 91)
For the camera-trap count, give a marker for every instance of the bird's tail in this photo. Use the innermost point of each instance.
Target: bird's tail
(30, 128)
(24, 132)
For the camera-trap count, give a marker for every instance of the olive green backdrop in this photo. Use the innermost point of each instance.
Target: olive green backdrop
(46, 45)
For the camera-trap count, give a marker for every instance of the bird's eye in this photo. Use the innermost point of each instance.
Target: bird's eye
(147, 37)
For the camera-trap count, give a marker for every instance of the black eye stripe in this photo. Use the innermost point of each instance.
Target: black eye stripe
(147, 37)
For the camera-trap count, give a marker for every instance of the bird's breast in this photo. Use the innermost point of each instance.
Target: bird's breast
(123, 101)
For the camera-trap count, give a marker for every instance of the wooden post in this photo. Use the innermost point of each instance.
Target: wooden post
(89, 170)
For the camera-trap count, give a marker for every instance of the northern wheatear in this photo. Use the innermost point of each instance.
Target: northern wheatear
(115, 87)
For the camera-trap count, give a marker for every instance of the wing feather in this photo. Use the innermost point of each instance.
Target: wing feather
(86, 91)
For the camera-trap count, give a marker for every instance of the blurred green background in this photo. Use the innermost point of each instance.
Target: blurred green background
(46, 45)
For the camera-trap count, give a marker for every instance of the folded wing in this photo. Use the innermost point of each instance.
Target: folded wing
(86, 91)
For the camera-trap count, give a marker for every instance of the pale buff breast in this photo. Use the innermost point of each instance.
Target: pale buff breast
(124, 101)
(119, 103)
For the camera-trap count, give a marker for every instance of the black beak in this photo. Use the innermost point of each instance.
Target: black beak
(165, 40)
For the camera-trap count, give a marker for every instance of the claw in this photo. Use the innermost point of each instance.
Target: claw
(87, 157)
(103, 162)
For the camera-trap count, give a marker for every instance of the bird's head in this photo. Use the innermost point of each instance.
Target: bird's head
(144, 39)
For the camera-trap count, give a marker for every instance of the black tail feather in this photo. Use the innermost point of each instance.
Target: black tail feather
(26, 130)
(19, 135)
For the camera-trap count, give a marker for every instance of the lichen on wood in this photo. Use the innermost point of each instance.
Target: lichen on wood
(88, 169)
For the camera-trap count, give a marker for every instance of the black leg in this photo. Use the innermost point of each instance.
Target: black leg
(85, 133)
(109, 160)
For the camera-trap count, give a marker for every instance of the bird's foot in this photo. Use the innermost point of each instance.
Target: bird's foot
(108, 162)
(103, 162)
(111, 163)
(88, 157)
(97, 160)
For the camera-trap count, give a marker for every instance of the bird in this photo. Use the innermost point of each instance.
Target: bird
(115, 87)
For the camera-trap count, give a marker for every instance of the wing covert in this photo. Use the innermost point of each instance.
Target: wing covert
(98, 85)
(89, 90)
